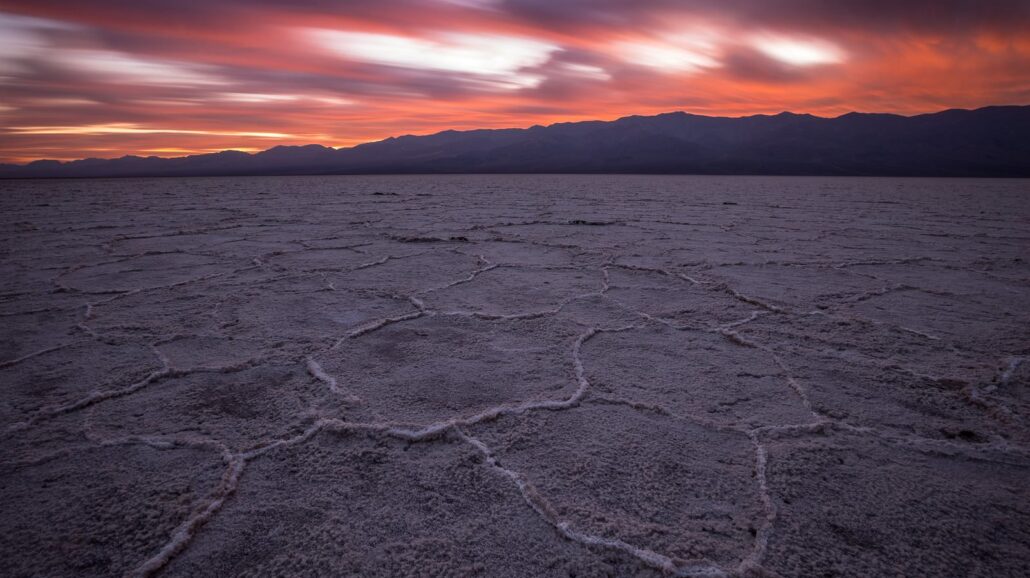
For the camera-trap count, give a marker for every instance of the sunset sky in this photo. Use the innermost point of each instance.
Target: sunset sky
(103, 78)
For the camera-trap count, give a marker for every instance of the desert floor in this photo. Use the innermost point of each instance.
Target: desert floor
(515, 376)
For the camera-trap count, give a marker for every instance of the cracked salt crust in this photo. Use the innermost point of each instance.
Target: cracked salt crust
(300, 376)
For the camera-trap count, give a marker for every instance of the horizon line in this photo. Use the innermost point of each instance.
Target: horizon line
(407, 135)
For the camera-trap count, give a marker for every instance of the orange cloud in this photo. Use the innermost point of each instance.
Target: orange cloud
(155, 77)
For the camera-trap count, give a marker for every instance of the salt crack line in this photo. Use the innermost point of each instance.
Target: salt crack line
(753, 562)
(689, 279)
(90, 400)
(417, 302)
(545, 510)
(493, 413)
(316, 371)
(823, 425)
(505, 317)
(28, 356)
(606, 277)
(723, 287)
(660, 271)
(94, 334)
(309, 433)
(185, 532)
(737, 338)
(382, 261)
(528, 315)
(471, 277)
(646, 316)
(794, 384)
(96, 397)
(751, 300)
(121, 295)
(535, 314)
(723, 329)
(785, 370)
(329, 285)
(436, 429)
(918, 332)
(379, 324)
(725, 326)
(188, 529)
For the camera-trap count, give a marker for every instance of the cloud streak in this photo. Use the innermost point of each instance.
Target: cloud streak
(116, 77)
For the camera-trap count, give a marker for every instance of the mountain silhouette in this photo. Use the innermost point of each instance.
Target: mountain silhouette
(987, 142)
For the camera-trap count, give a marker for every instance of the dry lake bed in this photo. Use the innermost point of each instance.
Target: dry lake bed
(515, 376)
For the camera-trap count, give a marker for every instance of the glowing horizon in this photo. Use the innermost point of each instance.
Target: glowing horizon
(153, 78)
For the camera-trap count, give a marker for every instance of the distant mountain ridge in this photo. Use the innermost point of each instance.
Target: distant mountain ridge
(987, 142)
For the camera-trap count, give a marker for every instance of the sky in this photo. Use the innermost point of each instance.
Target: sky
(105, 78)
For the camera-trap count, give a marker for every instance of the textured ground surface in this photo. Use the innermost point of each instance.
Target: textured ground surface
(515, 376)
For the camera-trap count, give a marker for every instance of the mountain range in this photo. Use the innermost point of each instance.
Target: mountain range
(992, 141)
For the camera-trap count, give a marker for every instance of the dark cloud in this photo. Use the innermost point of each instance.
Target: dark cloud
(870, 15)
(811, 15)
(897, 56)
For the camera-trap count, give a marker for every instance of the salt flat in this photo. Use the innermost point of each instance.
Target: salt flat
(515, 376)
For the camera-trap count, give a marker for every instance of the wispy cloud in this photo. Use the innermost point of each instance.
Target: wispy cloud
(106, 129)
(484, 59)
(160, 75)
